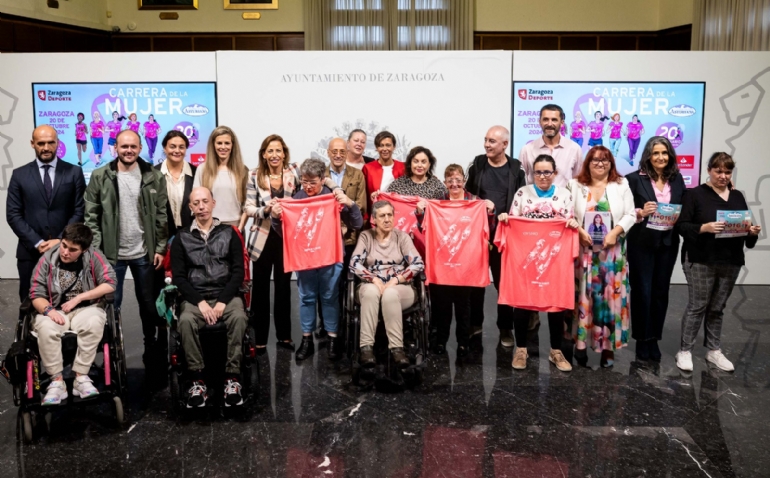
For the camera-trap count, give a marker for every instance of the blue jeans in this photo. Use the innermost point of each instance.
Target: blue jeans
(143, 273)
(578, 141)
(320, 283)
(595, 142)
(615, 146)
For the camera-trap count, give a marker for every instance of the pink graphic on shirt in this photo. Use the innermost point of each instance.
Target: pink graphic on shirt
(597, 129)
(635, 130)
(577, 127)
(615, 128)
(114, 128)
(133, 126)
(80, 131)
(151, 129)
(97, 128)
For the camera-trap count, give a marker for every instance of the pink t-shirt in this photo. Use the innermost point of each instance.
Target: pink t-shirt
(151, 129)
(634, 130)
(615, 129)
(597, 129)
(80, 131)
(133, 126)
(577, 128)
(96, 128)
(114, 128)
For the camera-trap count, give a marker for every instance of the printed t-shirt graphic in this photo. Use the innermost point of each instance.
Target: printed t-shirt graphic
(311, 233)
(456, 240)
(538, 264)
(404, 218)
(151, 129)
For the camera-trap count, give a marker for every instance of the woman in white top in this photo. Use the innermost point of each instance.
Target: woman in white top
(602, 310)
(226, 176)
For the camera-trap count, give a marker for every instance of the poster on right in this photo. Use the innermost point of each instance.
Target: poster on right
(621, 116)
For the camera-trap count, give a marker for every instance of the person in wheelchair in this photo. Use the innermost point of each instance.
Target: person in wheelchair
(66, 285)
(385, 260)
(207, 265)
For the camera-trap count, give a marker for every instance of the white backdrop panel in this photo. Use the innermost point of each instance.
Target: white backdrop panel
(19, 71)
(444, 101)
(737, 113)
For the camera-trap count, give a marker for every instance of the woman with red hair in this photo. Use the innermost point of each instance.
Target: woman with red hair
(602, 309)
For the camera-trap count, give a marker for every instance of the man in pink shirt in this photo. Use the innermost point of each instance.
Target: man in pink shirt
(567, 154)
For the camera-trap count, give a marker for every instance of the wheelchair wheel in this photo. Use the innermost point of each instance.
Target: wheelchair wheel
(25, 421)
(118, 404)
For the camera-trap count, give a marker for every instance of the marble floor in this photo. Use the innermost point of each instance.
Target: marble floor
(474, 417)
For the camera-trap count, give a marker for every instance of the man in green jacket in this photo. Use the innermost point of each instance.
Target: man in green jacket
(126, 210)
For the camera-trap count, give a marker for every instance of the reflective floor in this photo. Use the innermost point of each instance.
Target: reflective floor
(471, 418)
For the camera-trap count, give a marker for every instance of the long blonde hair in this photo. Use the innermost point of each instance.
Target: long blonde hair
(234, 163)
(263, 170)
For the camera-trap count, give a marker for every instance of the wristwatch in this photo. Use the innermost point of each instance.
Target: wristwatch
(47, 309)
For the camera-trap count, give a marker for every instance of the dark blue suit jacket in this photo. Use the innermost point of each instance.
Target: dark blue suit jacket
(31, 217)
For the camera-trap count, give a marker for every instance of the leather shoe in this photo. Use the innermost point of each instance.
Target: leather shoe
(306, 348)
(334, 347)
(367, 359)
(400, 357)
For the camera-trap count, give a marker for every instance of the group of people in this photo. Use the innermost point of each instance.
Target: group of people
(76, 244)
(597, 130)
(97, 130)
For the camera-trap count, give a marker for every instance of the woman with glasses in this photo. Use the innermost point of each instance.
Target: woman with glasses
(602, 309)
(541, 200)
(651, 251)
(711, 263)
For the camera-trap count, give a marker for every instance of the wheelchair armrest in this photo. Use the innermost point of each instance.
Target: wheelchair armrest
(421, 277)
(109, 298)
(26, 306)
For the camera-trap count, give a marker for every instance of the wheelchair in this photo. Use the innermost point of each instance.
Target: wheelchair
(416, 324)
(214, 348)
(24, 370)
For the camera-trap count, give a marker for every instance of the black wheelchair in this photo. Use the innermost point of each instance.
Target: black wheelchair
(23, 368)
(416, 323)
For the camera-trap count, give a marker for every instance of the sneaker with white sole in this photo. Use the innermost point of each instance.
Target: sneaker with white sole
(56, 392)
(684, 360)
(233, 396)
(197, 395)
(717, 358)
(83, 387)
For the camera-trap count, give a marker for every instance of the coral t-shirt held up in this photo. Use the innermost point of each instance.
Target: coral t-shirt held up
(538, 271)
(312, 236)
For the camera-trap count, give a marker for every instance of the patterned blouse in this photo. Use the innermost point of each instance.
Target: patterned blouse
(526, 203)
(433, 188)
(398, 256)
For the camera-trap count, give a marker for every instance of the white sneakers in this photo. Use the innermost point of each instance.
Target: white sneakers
(83, 387)
(56, 392)
(716, 357)
(719, 360)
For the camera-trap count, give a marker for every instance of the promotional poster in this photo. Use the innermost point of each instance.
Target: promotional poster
(737, 223)
(665, 217)
(88, 116)
(621, 116)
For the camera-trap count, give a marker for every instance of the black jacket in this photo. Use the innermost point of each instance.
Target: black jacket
(31, 217)
(207, 270)
(516, 180)
(642, 189)
(187, 216)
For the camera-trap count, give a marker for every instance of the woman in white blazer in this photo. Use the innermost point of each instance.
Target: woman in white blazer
(602, 290)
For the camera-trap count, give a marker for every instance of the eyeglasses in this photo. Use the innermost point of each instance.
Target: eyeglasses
(310, 183)
(600, 161)
(454, 181)
(545, 174)
(338, 151)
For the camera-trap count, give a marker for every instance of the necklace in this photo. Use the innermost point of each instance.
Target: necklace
(274, 176)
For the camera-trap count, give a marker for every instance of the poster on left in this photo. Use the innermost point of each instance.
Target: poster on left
(88, 116)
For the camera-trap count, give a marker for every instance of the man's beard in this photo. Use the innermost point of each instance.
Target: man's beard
(45, 161)
(127, 163)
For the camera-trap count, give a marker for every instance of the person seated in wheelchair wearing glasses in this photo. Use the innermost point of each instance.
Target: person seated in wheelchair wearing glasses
(207, 265)
(66, 285)
(385, 260)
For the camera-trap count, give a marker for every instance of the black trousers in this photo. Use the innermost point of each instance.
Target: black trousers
(650, 279)
(25, 269)
(442, 298)
(271, 260)
(504, 312)
(521, 327)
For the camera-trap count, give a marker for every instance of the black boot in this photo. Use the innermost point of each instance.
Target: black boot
(306, 348)
(334, 347)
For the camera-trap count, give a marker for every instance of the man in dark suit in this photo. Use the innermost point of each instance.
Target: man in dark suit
(44, 196)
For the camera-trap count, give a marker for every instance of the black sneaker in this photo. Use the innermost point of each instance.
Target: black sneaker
(367, 359)
(306, 348)
(197, 395)
(233, 396)
(400, 357)
(334, 347)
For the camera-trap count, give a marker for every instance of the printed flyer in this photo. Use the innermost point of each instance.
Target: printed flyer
(737, 223)
(665, 217)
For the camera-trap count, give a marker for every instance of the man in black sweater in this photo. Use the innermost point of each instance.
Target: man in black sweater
(207, 261)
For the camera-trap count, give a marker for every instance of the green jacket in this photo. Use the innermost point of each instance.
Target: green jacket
(102, 211)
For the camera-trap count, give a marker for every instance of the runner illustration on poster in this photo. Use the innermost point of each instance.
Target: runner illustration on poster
(97, 137)
(634, 132)
(81, 137)
(596, 127)
(133, 123)
(114, 127)
(151, 130)
(578, 128)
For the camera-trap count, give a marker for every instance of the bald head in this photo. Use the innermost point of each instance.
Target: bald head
(202, 204)
(338, 154)
(501, 132)
(496, 142)
(45, 142)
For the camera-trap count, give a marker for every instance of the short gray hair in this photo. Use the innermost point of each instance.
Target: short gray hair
(379, 205)
(314, 168)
